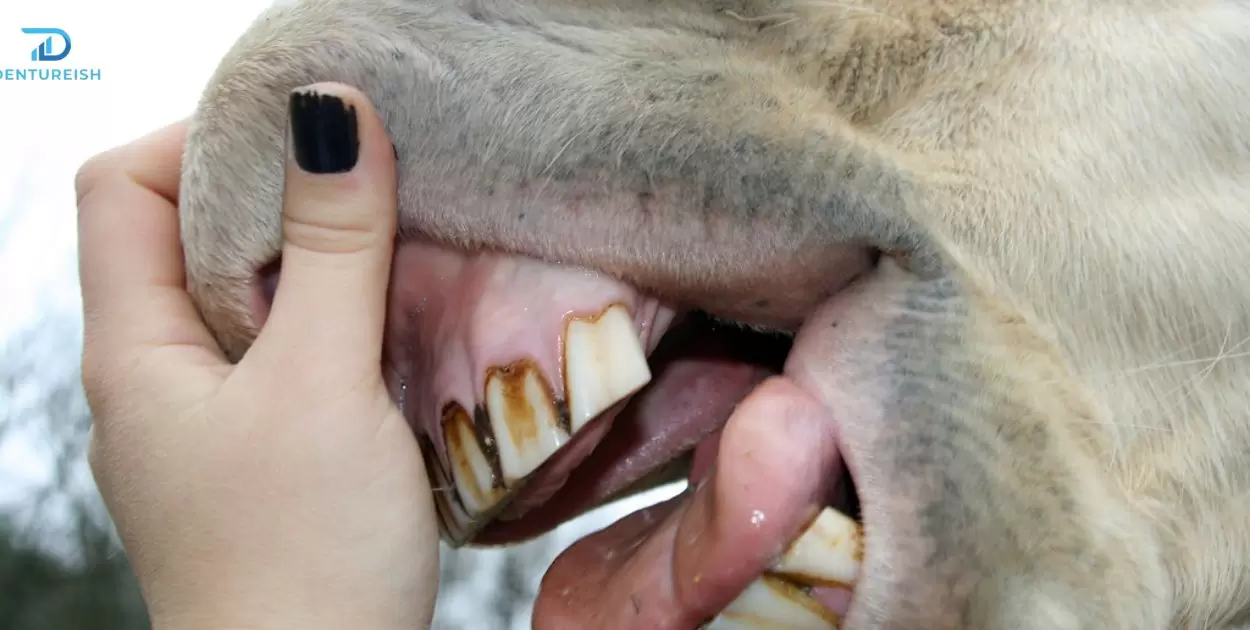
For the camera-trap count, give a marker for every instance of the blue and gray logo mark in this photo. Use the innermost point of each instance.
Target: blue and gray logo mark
(54, 47)
(43, 52)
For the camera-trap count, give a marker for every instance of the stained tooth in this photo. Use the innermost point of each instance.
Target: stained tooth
(457, 525)
(524, 418)
(773, 603)
(603, 363)
(828, 553)
(454, 523)
(473, 456)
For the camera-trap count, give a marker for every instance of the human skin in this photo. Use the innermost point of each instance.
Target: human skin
(282, 491)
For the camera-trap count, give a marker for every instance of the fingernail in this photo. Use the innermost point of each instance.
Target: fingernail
(323, 133)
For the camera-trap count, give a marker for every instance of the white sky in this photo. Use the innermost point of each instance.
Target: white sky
(155, 57)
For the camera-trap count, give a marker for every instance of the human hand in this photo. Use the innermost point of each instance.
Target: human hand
(285, 491)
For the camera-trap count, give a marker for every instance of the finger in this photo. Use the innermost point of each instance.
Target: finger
(153, 161)
(130, 258)
(339, 215)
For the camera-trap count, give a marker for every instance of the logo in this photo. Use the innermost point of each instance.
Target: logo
(43, 52)
(54, 47)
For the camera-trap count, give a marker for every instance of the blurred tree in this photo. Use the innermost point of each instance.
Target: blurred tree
(60, 565)
(39, 591)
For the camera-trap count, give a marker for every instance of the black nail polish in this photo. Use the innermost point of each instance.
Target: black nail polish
(323, 133)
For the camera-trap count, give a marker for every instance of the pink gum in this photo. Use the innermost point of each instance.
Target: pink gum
(454, 316)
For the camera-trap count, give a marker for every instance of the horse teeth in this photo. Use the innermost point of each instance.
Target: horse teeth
(774, 603)
(521, 423)
(827, 554)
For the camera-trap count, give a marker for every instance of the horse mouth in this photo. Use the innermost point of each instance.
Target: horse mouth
(539, 392)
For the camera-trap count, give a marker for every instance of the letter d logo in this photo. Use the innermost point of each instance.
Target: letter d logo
(43, 52)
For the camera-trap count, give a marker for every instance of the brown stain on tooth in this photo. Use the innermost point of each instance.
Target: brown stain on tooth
(489, 444)
(800, 596)
(520, 407)
(773, 602)
(474, 474)
(563, 419)
(808, 581)
(858, 542)
(512, 380)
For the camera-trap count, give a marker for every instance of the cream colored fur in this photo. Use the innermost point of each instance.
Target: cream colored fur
(1088, 161)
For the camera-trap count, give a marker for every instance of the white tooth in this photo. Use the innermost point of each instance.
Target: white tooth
(469, 466)
(828, 553)
(524, 419)
(603, 363)
(772, 603)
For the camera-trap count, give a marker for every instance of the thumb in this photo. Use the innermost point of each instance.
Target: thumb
(338, 227)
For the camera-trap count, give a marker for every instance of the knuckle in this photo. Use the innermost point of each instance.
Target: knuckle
(93, 171)
(98, 378)
(332, 235)
(95, 389)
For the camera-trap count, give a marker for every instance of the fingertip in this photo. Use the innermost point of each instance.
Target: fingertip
(340, 169)
(153, 161)
(130, 269)
(334, 128)
(339, 222)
